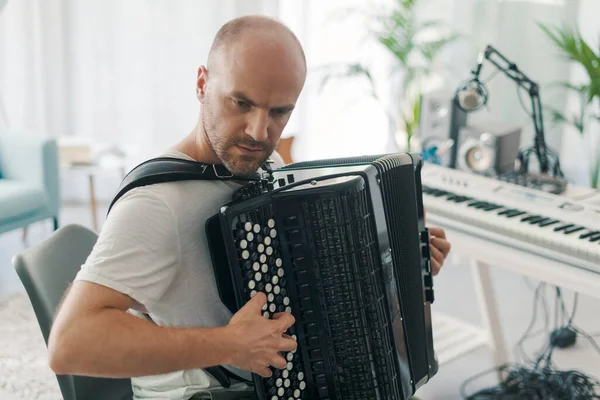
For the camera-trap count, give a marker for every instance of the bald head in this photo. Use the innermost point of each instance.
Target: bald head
(253, 28)
(256, 70)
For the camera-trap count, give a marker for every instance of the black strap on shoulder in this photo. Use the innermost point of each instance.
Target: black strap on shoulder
(167, 169)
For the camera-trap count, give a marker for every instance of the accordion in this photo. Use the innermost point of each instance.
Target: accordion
(340, 244)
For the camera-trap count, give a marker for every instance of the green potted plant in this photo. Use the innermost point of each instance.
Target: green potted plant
(414, 46)
(587, 118)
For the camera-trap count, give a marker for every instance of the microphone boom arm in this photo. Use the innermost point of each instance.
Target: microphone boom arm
(511, 70)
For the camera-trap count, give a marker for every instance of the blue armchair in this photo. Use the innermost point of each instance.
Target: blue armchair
(29, 180)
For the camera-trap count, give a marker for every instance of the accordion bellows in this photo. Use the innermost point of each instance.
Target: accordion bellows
(340, 244)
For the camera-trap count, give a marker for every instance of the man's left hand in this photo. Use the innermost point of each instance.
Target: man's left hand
(440, 248)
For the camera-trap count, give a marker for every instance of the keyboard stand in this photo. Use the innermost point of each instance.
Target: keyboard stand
(485, 254)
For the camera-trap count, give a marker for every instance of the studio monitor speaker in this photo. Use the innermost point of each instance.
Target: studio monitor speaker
(487, 151)
(439, 124)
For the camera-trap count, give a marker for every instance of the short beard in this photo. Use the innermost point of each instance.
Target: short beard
(238, 165)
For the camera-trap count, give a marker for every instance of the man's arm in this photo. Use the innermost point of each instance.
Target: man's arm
(94, 335)
(135, 261)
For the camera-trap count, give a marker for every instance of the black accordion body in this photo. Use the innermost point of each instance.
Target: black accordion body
(340, 244)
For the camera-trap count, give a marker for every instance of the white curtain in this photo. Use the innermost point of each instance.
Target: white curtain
(111, 71)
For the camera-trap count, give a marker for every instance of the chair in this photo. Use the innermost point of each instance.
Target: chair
(29, 180)
(46, 271)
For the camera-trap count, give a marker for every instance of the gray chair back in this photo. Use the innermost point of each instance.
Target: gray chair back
(46, 271)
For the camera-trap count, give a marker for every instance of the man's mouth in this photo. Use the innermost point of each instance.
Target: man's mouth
(250, 150)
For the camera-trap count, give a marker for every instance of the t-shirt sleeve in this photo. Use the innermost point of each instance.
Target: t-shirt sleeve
(137, 252)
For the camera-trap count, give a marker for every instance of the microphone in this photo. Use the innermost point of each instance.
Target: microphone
(472, 95)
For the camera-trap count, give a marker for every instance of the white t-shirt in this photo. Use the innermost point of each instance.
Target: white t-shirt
(153, 248)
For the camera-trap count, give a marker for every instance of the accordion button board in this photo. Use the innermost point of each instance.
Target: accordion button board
(259, 253)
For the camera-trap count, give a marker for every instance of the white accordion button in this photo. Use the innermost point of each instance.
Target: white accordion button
(265, 268)
(263, 258)
(269, 250)
(251, 285)
(268, 287)
(280, 272)
(257, 277)
(243, 244)
(256, 267)
(260, 247)
(267, 240)
(271, 223)
(279, 262)
(256, 228)
(248, 226)
(273, 233)
(250, 236)
(245, 254)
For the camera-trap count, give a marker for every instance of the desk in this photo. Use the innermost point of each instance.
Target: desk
(486, 254)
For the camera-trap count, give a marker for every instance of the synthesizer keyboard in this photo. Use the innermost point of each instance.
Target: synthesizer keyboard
(557, 227)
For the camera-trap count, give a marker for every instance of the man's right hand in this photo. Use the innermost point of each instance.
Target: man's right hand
(257, 341)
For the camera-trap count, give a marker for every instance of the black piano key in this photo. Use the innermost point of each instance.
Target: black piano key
(562, 227)
(550, 222)
(474, 203)
(529, 218)
(505, 212)
(536, 219)
(568, 231)
(595, 238)
(589, 234)
(492, 207)
(515, 213)
(540, 221)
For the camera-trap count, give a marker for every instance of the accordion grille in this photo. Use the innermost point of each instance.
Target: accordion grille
(348, 275)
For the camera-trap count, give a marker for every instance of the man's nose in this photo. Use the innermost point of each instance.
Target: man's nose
(258, 125)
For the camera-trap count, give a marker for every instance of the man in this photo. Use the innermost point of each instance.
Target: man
(152, 257)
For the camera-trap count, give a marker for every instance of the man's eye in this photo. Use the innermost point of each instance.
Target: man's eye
(280, 112)
(242, 103)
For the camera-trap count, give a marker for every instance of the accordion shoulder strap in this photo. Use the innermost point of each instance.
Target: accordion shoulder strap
(167, 169)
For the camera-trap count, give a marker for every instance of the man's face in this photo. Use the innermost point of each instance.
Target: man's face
(248, 99)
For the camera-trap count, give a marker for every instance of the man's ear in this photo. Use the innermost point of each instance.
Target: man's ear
(201, 83)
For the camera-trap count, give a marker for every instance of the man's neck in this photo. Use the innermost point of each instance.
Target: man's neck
(195, 146)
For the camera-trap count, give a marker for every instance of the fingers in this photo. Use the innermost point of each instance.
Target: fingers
(256, 303)
(437, 232)
(441, 245)
(278, 362)
(286, 344)
(283, 321)
(435, 267)
(264, 372)
(437, 255)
